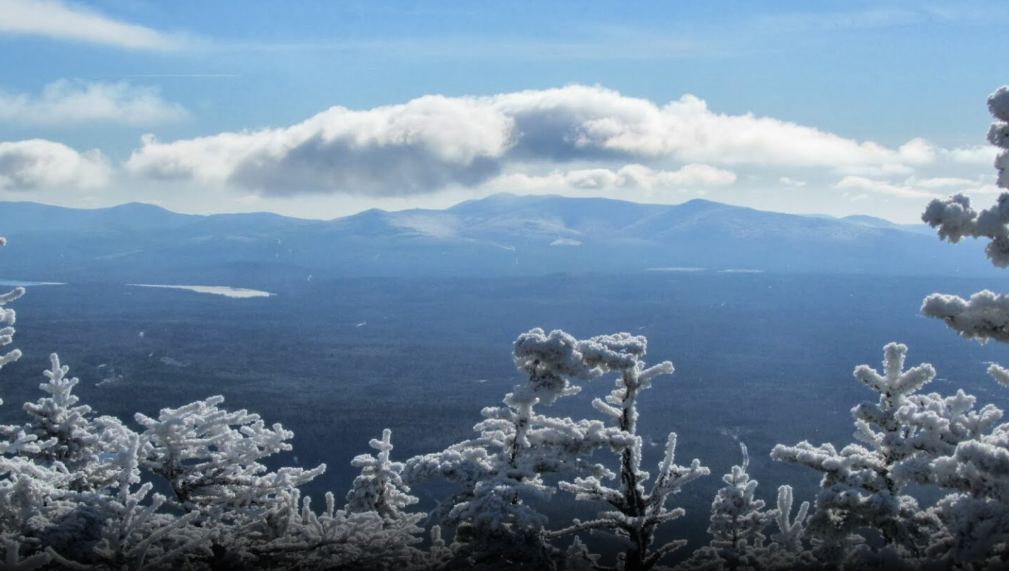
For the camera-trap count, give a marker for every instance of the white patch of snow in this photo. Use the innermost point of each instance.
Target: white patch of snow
(17, 283)
(233, 292)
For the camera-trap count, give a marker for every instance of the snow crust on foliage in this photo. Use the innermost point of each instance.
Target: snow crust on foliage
(78, 490)
(7, 320)
(634, 511)
(956, 219)
(984, 317)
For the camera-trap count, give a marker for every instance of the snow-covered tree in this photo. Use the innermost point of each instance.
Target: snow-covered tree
(986, 315)
(380, 486)
(791, 531)
(863, 485)
(212, 460)
(974, 465)
(69, 433)
(738, 519)
(956, 219)
(138, 535)
(634, 512)
(7, 319)
(500, 472)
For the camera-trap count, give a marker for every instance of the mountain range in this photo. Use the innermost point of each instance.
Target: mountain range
(501, 235)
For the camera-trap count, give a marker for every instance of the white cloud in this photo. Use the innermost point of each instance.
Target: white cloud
(66, 101)
(976, 155)
(578, 121)
(414, 148)
(38, 164)
(65, 21)
(628, 178)
(435, 142)
(789, 181)
(916, 188)
(943, 182)
(917, 152)
(880, 187)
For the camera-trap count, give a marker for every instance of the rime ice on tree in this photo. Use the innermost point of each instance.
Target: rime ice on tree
(634, 512)
(7, 319)
(212, 457)
(501, 470)
(862, 486)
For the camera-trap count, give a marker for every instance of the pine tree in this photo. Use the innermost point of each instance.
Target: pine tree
(71, 436)
(635, 513)
(863, 486)
(136, 536)
(212, 460)
(738, 518)
(500, 472)
(380, 486)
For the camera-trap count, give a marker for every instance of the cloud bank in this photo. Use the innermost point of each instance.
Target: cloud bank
(66, 102)
(71, 22)
(435, 142)
(37, 164)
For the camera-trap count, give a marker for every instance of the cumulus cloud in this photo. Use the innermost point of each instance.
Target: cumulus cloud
(414, 148)
(38, 164)
(64, 21)
(67, 101)
(434, 142)
(580, 121)
(789, 181)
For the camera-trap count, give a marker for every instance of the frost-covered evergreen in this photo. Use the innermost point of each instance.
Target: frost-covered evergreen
(738, 518)
(136, 533)
(975, 467)
(70, 434)
(909, 440)
(212, 460)
(380, 486)
(634, 512)
(500, 472)
(863, 484)
(738, 522)
(7, 319)
(956, 219)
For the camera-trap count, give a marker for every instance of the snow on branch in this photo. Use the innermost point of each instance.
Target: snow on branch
(895, 382)
(985, 316)
(863, 486)
(634, 512)
(212, 460)
(380, 487)
(7, 320)
(956, 219)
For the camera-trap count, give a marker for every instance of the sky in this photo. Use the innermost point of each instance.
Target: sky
(319, 109)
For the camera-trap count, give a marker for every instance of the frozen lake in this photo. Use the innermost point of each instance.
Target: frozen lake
(233, 292)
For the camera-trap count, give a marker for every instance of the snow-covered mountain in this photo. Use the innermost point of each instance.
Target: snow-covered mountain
(500, 235)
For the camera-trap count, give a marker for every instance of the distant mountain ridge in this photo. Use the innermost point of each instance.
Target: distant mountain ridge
(499, 235)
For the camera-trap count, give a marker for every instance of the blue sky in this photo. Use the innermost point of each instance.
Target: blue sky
(833, 107)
